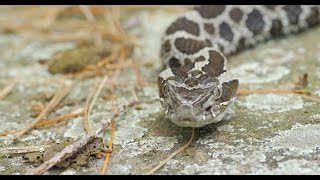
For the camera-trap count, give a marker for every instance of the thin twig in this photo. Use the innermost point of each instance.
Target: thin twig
(163, 162)
(20, 150)
(73, 148)
(90, 104)
(7, 90)
(62, 92)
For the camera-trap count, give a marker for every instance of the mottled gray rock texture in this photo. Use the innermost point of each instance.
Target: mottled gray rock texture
(266, 134)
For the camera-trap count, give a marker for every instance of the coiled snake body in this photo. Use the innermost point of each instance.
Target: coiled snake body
(196, 88)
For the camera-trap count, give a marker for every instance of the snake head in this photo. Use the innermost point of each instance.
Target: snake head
(196, 98)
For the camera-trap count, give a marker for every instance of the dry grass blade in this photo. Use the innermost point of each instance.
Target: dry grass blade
(62, 92)
(7, 90)
(163, 162)
(90, 103)
(73, 148)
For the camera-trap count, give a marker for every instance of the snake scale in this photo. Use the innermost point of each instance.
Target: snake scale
(196, 88)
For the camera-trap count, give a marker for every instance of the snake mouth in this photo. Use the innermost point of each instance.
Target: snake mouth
(186, 120)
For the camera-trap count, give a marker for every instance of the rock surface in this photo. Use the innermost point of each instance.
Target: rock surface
(267, 134)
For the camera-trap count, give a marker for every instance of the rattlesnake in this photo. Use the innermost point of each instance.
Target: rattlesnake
(196, 88)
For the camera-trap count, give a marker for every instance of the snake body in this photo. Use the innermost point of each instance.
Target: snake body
(196, 88)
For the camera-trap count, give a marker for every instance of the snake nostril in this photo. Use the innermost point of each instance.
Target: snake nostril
(208, 108)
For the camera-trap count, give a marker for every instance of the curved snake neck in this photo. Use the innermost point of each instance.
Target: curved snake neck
(196, 87)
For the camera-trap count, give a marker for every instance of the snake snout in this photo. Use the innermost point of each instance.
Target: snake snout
(185, 112)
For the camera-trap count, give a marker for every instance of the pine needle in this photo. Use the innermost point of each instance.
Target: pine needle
(8, 89)
(163, 162)
(60, 94)
(46, 122)
(265, 91)
(110, 146)
(303, 93)
(90, 103)
(113, 126)
(58, 119)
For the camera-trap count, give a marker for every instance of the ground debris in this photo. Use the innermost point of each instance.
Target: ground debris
(301, 82)
(36, 108)
(80, 158)
(69, 151)
(42, 97)
(74, 60)
(60, 94)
